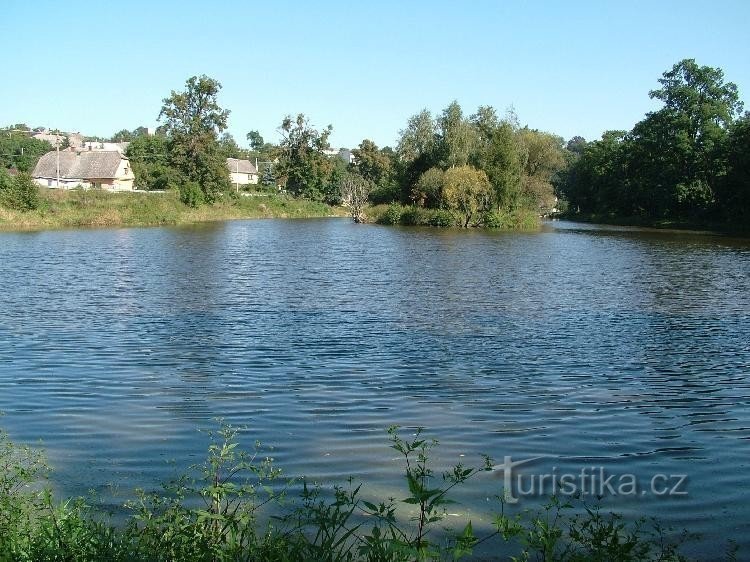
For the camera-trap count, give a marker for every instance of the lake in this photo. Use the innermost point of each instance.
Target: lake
(587, 346)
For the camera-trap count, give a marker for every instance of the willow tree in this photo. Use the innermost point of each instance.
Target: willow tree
(466, 191)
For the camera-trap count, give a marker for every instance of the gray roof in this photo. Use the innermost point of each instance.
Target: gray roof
(236, 165)
(79, 165)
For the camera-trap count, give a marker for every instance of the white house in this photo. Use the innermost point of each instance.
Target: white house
(344, 153)
(67, 169)
(242, 172)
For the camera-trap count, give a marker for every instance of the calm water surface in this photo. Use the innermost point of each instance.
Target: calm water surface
(599, 346)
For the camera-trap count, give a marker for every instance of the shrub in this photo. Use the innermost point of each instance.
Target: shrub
(521, 219)
(392, 215)
(495, 220)
(442, 217)
(20, 192)
(191, 194)
(413, 216)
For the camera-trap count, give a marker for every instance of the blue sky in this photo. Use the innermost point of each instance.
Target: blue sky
(567, 67)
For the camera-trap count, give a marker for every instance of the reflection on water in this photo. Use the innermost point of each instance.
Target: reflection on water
(598, 345)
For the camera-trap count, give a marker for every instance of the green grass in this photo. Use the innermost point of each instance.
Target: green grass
(236, 506)
(92, 208)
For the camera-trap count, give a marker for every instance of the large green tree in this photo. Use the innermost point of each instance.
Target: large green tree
(193, 120)
(255, 140)
(500, 155)
(674, 163)
(372, 164)
(303, 167)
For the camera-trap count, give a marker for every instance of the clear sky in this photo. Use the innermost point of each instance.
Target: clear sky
(569, 67)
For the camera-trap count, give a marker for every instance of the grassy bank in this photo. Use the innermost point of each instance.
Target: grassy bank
(418, 216)
(92, 208)
(235, 506)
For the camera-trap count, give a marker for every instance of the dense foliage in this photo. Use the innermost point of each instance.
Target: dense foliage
(150, 160)
(18, 150)
(517, 166)
(686, 161)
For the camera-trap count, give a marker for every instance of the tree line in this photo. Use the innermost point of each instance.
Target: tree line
(685, 161)
(468, 165)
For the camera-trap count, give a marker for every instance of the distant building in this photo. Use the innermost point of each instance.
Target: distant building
(242, 172)
(108, 170)
(344, 153)
(75, 139)
(106, 146)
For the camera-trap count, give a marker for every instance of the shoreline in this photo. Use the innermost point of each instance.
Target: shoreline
(710, 228)
(76, 209)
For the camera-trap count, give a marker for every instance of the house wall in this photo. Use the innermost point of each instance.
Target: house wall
(65, 183)
(243, 179)
(125, 179)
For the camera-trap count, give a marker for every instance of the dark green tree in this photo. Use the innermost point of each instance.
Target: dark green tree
(733, 193)
(256, 141)
(372, 164)
(193, 120)
(428, 191)
(127, 136)
(303, 167)
(674, 159)
(596, 181)
(576, 145)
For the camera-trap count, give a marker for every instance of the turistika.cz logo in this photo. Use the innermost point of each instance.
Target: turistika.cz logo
(593, 481)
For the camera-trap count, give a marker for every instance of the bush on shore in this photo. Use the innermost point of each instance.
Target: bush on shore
(19, 193)
(411, 215)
